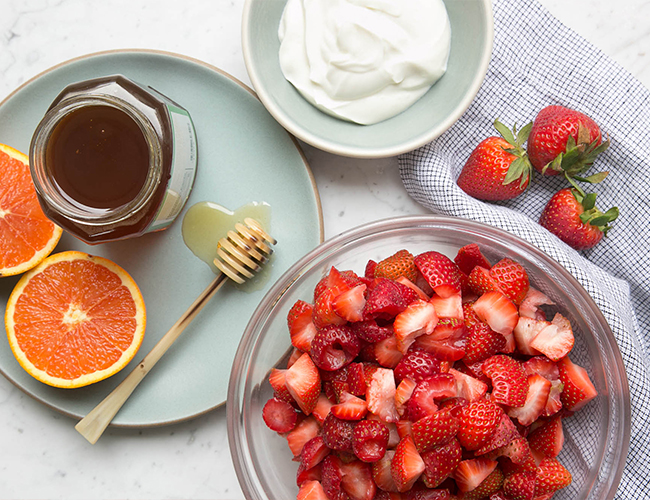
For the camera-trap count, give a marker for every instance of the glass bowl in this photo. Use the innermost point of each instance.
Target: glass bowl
(596, 437)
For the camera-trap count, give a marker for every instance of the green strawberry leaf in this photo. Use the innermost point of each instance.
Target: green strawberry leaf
(593, 179)
(505, 132)
(522, 135)
(589, 201)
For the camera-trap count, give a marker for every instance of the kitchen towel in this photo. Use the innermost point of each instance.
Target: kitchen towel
(536, 62)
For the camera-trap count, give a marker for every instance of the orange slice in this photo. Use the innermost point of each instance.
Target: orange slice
(26, 235)
(75, 319)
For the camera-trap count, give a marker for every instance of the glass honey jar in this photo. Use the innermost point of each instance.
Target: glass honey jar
(112, 159)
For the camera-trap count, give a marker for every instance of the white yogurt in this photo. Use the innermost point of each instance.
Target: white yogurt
(364, 60)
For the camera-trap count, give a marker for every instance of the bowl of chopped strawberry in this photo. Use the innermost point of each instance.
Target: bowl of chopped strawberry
(428, 358)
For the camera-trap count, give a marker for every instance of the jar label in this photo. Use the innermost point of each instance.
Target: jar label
(183, 169)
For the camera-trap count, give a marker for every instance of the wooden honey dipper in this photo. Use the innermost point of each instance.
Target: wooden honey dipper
(240, 254)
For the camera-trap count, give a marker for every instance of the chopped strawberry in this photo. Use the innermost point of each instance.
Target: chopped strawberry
(303, 475)
(303, 431)
(332, 478)
(551, 476)
(519, 453)
(380, 395)
(434, 430)
(369, 271)
(385, 299)
(440, 462)
(578, 388)
(448, 307)
(404, 428)
(424, 493)
(418, 291)
(470, 473)
(386, 352)
(525, 331)
(311, 490)
(538, 391)
(277, 379)
(503, 435)
(406, 465)
(303, 383)
(448, 329)
(419, 318)
(520, 485)
(509, 380)
(322, 408)
(350, 407)
(482, 342)
(440, 272)
(454, 405)
(337, 433)
(478, 421)
(370, 440)
(279, 416)
(357, 480)
(490, 485)
(481, 281)
(554, 340)
(349, 305)
(470, 256)
(498, 311)
(529, 307)
(421, 403)
(542, 366)
(451, 349)
(473, 370)
(301, 326)
(399, 264)
(468, 387)
(381, 473)
(554, 401)
(313, 452)
(469, 315)
(370, 331)
(512, 279)
(324, 313)
(334, 347)
(417, 365)
(336, 281)
(548, 439)
(403, 393)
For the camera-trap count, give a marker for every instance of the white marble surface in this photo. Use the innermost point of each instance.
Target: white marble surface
(42, 455)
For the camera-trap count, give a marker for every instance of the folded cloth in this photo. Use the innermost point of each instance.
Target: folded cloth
(536, 62)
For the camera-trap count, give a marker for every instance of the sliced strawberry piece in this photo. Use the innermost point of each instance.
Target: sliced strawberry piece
(418, 291)
(498, 311)
(489, 486)
(334, 347)
(370, 440)
(482, 342)
(555, 340)
(470, 256)
(542, 366)
(450, 349)
(468, 387)
(301, 326)
(406, 465)
(424, 493)
(454, 405)
(548, 439)
(478, 421)
(303, 431)
(421, 403)
(554, 401)
(357, 480)
(578, 388)
(448, 307)
(279, 416)
(324, 313)
(434, 430)
(440, 272)
(469, 315)
(519, 453)
(332, 478)
(520, 485)
(381, 473)
(417, 365)
(512, 279)
(503, 435)
(440, 462)
(295, 355)
(337, 433)
(372, 332)
(380, 395)
(529, 307)
(448, 329)
(471, 473)
(313, 452)
(551, 477)
(349, 305)
(385, 299)
(277, 379)
(303, 475)
(404, 428)
(419, 318)
(386, 352)
(480, 281)
(303, 383)
(336, 281)
(536, 398)
(322, 408)
(350, 407)
(397, 265)
(403, 393)
(509, 380)
(369, 271)
(525, 331)
(311, 490)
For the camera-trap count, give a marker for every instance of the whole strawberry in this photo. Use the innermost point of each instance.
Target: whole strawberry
(572, 216)
(563, 140)
(498, 168)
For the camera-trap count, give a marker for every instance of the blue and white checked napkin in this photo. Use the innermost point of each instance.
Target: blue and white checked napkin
(536, 62)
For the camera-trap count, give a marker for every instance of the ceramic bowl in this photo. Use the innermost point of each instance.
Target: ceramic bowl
(596, 437)
(436, 111)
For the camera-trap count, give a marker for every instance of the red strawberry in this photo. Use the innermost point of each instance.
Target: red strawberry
(440, 272)
(555, 340)
(434, 430)
(469, 315)
(551, 476)
(303, 475)
(572, 216)
(525, 331)
(370, 440)
(332, 478)
(277, 379)
(311, 490)
(303, 431)
(440, 462)
(369, 271)
(279, 416)
(301, 327)
(386, 352)
(322, 408)
(503, 435)
(448, 307)
(578, 388)
(403, 393)
(357, 480)
(324, 313)
(303, 383)
(380, 395)
(448, 329)
(371, 332)
(334, 347)
(421, 403)
(337, 281)
(399, 264)
(450, 349)
(511, 278)
(470, 256)
(538, 391)
(519, 453)
(563, 140)
(548, 438)
(313, 452)
(554, 401)
(385, 299)
(470, 473)
(424, 493)
(468, 387)
(337, 433)
(418, 291)
(509, 380)
(520, 485)
(498, 168)
(295, 355)
(480, 281)
(349, 305)
(381, 473)
(542, 366)
(478, 421)
(529, 308)
(490, 485)
(419, 318)
(482, 342)
(350, 407)
(406, 465)
(498, 311)
(416, 365)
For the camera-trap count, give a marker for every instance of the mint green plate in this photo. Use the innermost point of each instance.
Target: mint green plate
(244, 156)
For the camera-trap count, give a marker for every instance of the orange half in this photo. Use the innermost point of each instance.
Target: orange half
(75, 319)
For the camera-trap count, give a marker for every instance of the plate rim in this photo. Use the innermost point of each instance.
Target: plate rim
(243, 86)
